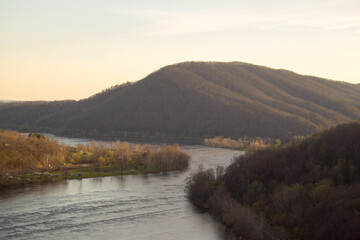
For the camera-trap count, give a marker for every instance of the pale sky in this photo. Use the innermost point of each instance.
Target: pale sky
(71, 49)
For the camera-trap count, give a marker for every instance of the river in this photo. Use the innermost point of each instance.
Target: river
(152, 206)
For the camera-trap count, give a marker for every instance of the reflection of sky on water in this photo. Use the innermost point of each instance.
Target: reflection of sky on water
(152, 206)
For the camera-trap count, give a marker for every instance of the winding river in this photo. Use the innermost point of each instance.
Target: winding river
(152, 206)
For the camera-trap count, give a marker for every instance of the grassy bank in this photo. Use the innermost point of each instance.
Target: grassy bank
(80, 173)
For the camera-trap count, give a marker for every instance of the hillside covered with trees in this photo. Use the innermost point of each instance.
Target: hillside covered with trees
(309, 190)
(198, 100)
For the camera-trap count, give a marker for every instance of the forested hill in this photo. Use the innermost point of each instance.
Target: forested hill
(311, 189)
(195, 100)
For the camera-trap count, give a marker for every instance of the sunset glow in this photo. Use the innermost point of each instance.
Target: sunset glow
(53, 50)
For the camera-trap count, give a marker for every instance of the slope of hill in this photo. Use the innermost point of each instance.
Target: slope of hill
(311, 189)
(195, 100)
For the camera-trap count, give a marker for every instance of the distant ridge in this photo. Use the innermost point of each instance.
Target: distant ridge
(196, 100)
(8, 100)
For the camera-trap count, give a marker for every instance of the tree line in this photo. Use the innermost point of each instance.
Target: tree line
(242, 143)
(22, 154)
(126, 156)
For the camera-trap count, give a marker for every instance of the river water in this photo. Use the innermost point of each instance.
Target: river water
(152, 206)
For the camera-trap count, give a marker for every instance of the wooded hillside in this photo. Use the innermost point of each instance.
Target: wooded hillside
(197, 100)
(311, 189)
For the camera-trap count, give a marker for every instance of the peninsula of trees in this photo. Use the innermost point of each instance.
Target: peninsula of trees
(197, 100)
(309, 190)
(35, 158)
(249, 144)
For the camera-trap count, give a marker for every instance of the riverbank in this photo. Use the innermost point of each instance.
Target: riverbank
(309, 190)
(37, 159)
(245, 144)
(76, 173)
(137, 138)
(131, 206)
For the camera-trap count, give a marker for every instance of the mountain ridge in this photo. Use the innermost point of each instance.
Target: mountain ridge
(196, 100)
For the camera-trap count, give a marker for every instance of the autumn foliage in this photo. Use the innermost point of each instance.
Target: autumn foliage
(241, 143)
(20, 154)
(125, 156)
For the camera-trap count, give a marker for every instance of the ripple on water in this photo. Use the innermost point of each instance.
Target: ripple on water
(128, 207)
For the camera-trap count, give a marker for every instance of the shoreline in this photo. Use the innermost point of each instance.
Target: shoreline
(33, 158)
(71, 133)
(22, 181)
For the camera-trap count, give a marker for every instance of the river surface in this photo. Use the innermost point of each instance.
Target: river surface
(152, 206)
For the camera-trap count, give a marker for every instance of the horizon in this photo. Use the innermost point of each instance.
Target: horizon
(65, 50)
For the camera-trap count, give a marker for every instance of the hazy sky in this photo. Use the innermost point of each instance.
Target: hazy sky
(71, 49)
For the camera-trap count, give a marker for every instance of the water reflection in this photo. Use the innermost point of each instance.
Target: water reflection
(151, 206)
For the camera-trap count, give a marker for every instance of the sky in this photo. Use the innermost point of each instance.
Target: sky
(72, 49)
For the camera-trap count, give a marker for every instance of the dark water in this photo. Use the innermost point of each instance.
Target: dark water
(152, 206)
